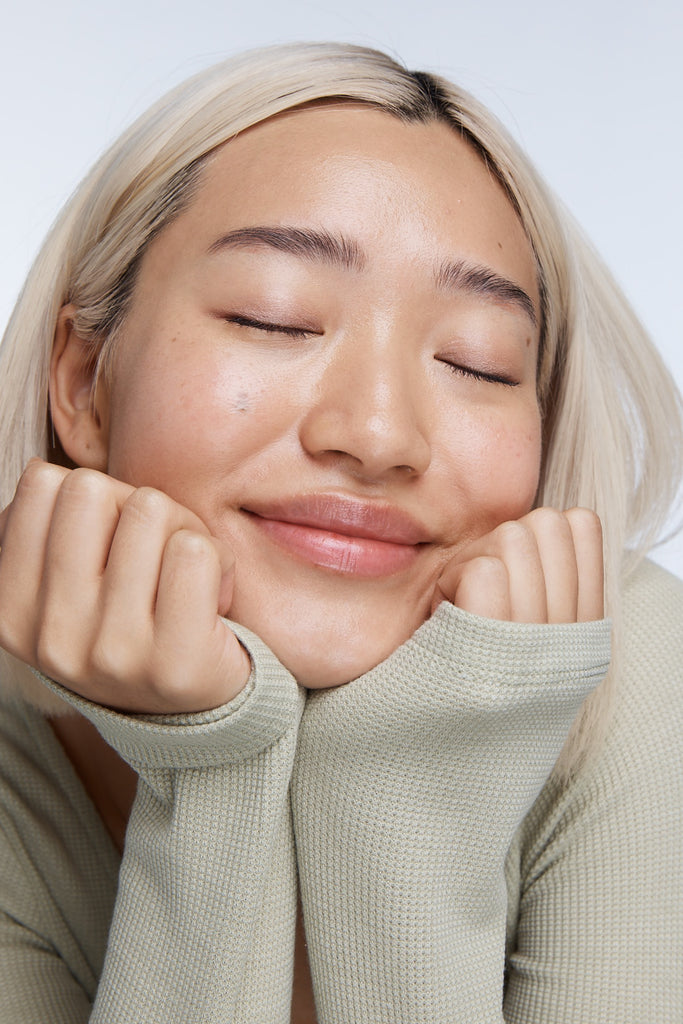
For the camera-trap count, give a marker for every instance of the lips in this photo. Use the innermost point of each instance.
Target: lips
(342, 534)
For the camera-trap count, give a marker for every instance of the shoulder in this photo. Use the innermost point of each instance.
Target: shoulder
(652, 633)
(645, 735)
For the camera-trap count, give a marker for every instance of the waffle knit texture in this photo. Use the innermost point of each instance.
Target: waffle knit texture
(414, 807)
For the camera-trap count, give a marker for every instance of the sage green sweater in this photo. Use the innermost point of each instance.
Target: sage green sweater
(414, 807)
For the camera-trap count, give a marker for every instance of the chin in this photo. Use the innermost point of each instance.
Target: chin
(331, 663)
(328, 677)
(328, 640)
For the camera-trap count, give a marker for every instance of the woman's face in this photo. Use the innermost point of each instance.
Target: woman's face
(330, 357)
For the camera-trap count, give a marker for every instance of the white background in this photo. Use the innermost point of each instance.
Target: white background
(592, 89)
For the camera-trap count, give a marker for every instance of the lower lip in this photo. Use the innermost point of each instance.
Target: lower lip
(354, 556)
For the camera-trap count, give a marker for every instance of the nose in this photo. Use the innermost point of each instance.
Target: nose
(368, 410)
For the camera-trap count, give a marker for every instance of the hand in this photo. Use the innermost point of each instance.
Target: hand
(545, 567)
(116, 593)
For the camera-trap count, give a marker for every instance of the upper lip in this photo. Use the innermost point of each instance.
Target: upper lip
(352, 517)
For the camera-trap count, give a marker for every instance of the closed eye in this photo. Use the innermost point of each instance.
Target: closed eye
(290, 330)
(483, 375)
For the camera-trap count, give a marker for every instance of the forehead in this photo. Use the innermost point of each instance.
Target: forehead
(411, 191)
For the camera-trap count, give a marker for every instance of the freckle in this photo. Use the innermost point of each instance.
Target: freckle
(500, 245)
(528, 342)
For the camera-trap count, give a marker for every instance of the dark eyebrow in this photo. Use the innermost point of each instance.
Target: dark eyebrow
(306, 243)
(464, 276)
(339, 251)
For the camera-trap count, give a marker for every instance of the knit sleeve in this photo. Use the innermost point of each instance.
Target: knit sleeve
(408, 787)
(207, 879)
(37, 982)
(599, 932)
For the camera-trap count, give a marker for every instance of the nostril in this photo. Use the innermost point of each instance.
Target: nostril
(374, 437)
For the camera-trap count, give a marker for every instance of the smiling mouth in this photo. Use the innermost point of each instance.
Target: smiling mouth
(345, 536)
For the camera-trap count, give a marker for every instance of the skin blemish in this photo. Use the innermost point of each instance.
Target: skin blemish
(241, 402)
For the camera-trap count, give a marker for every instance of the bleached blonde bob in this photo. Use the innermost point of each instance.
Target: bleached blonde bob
(613, 434)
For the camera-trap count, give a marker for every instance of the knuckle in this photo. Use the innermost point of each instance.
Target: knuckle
(147, 505)
(39, 477)
(105, 660)
(548, 516)
(585, 523)
(513, 535)
(191, 546)
(12, 638)
(168, 685)
(83, 487)
(53, 657)
(486, 569)
(549, 523)
(170, 691)
(114, 655)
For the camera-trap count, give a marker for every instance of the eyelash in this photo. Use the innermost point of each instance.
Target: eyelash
(490, 378)
(302, 332)
(260, 325)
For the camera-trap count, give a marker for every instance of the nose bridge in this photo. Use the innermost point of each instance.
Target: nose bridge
(369, 403)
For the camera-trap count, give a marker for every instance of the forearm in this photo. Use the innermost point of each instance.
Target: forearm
(208, 847)
(408, 786)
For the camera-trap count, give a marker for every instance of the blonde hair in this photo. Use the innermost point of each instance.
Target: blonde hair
(613, 426)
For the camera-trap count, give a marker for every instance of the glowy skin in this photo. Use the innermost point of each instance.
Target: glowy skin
(226, 418)
(337, 434)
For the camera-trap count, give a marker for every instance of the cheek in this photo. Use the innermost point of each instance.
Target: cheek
(180, 422)
(498, 467)
(516, 461)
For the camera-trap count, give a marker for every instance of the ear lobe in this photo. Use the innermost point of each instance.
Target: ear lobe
(80, 417)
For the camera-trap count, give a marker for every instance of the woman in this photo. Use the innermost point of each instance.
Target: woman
(331, 365)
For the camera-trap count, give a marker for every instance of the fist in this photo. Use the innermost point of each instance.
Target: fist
(545, 567)
(117, 593)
